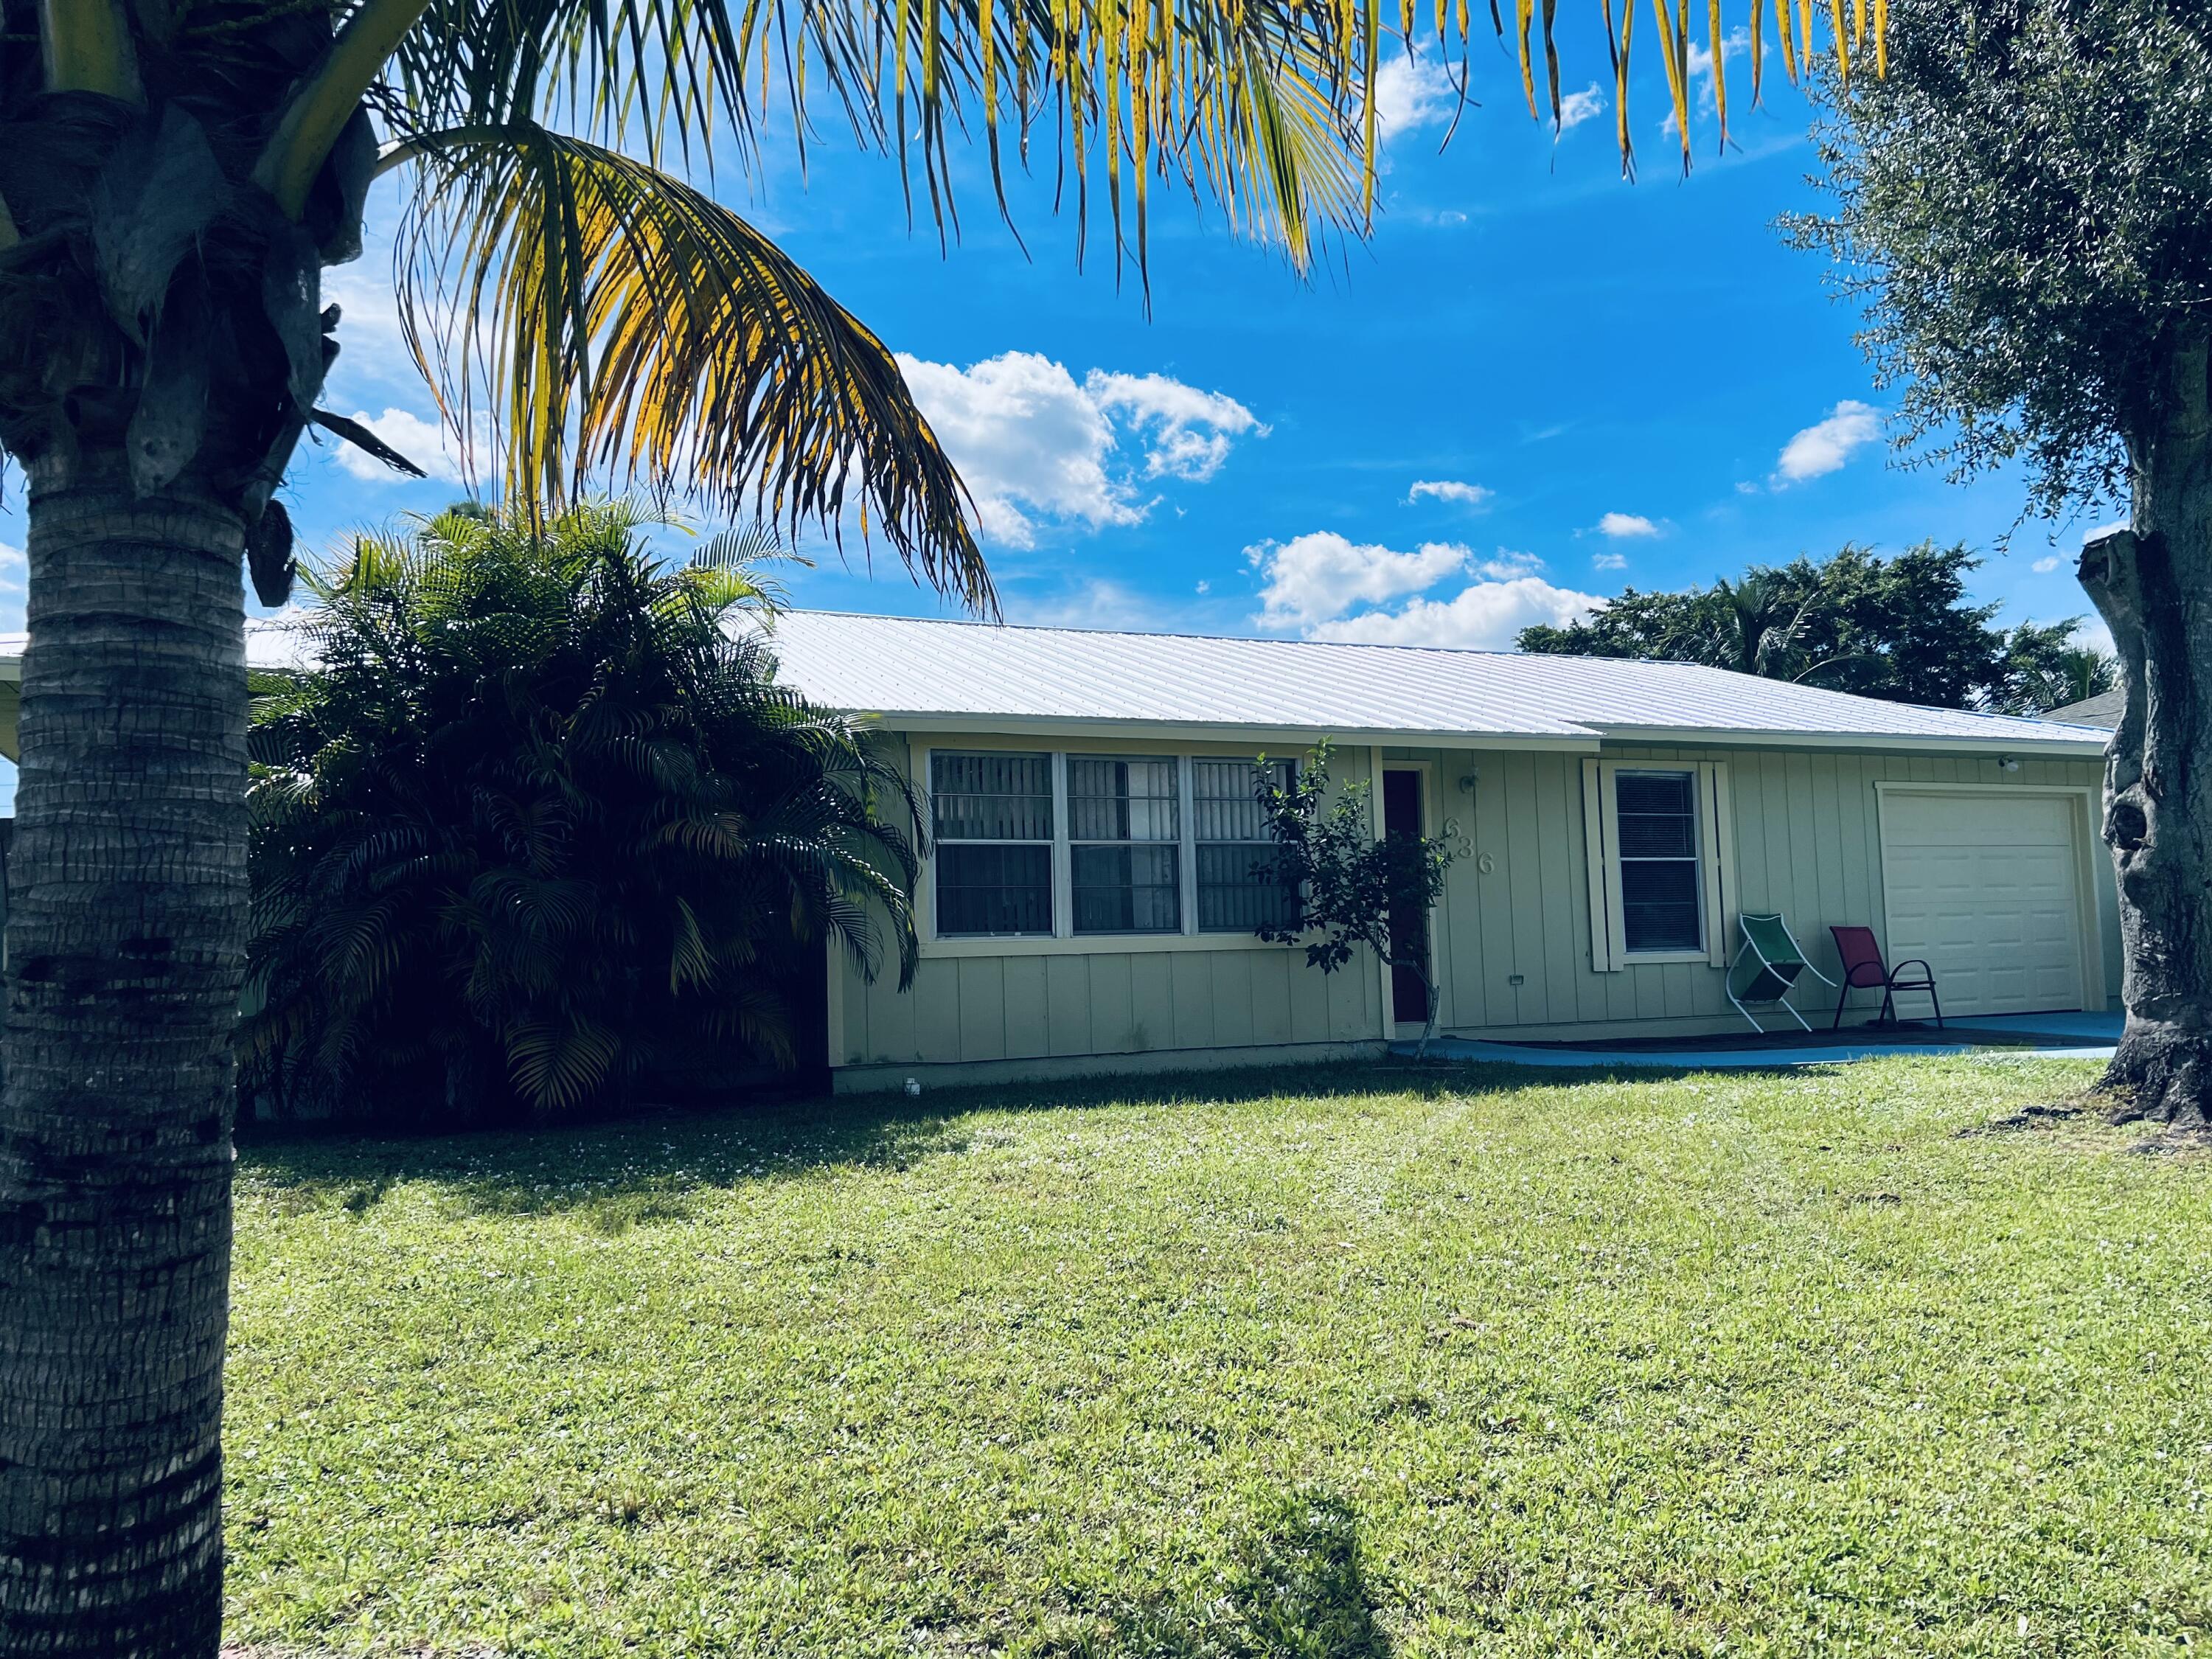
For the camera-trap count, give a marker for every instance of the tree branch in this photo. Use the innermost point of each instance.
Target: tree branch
(87, 45)
(326, 101)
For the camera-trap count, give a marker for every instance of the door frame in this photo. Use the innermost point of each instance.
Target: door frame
(1395, 1028)
(2088, 929)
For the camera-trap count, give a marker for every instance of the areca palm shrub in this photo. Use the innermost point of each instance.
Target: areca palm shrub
(540, 828)
(174, 177)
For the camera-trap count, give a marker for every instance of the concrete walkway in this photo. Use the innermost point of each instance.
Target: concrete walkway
(2036, 1036)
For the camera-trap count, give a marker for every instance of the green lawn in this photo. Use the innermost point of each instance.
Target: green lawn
(1344, 1363)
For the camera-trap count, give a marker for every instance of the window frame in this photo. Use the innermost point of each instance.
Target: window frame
(1716, 841)
(1699, 858)
(922, 751)
(1053, 845)
(1190, 769)
(1176, 798)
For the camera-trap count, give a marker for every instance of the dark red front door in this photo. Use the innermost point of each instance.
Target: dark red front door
(1409, 935)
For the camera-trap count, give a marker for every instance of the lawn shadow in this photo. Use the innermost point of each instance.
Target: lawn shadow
(640, 1169)
(1296, 1590)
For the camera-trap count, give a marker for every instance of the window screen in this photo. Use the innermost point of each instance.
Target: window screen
(1661, 897)
(992, 815)
(1125, 852)
(1237, 889)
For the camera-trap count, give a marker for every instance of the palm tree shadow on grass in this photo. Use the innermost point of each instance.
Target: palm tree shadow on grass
(640, 1169)
(1297, 1589)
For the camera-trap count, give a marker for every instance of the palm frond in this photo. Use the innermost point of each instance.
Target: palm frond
(622, 321)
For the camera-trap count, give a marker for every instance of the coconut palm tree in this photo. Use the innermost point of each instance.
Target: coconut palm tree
(174, 176)
(614, 869)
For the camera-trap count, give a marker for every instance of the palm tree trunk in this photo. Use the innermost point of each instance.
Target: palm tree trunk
(2152, 581)
(125, 937)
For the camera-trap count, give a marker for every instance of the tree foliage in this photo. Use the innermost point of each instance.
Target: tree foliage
(542, 825)
(1352, 891)
(2024, 204)
(1899, 629)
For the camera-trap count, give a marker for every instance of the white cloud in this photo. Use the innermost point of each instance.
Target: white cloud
(1190, 430)
(2045, 566)
(1827, 445)
(1609, 562)
(14, 568)
(1505, 563)
(1620, 526)
(1485, 615)
(1577, 107)
(1450, 489)
(1313, 578)
(1410, 92)
(1203, 587)
(429, 444)
(1033, 444)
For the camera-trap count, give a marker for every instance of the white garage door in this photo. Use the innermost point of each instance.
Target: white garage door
(1984, 886)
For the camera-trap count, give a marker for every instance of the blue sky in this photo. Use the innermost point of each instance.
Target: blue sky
(1534, 384)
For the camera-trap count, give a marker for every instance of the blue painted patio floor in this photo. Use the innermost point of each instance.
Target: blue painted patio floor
(2037, 1036)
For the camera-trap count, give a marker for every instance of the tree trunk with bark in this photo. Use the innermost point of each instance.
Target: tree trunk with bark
(125, 934)
(2152, 581)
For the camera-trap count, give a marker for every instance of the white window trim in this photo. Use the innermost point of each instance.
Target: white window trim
(1609, 952)
(1064, 940)
(1191, 841)
(926, 888)
(1184, 891)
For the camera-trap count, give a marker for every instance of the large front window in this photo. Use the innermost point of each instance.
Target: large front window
(1661, 897)
(1077, 845)
(1125, 844)
(993, 818)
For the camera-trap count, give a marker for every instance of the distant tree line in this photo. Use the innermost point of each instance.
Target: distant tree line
(1899, 629)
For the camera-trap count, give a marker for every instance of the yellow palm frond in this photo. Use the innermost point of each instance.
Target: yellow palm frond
(1262, 105)
(615, 321)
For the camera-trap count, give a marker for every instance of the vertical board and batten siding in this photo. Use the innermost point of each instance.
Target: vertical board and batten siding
(1807, 843)
(1058, 1004)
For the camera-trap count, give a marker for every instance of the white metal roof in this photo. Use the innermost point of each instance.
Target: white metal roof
(270, 642)
(924, 674)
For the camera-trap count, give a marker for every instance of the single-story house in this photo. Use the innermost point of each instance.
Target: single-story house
(1089, 902)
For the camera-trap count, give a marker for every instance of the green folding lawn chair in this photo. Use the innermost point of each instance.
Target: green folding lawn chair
(1770, 963)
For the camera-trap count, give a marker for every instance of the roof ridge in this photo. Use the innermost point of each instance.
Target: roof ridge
(1255, 639)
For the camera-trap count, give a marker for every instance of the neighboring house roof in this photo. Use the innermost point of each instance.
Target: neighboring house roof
(921, 675)
(2103, 709)
(270, 642)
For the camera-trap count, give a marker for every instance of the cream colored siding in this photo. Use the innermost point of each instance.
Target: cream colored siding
(1068, 998)
(1806, 842)
(989, 1008)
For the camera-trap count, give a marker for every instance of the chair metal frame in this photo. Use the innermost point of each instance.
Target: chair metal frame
(1785, 973)
(1889, 984)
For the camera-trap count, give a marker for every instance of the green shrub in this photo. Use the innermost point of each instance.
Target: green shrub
(540, 828)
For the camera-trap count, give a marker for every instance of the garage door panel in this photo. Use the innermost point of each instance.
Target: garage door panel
(1983, 887)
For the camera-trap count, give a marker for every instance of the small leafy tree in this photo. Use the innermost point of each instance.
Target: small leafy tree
(541, 826)
(1345, 889)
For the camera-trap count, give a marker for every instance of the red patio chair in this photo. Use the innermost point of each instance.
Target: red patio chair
(1863, 971)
